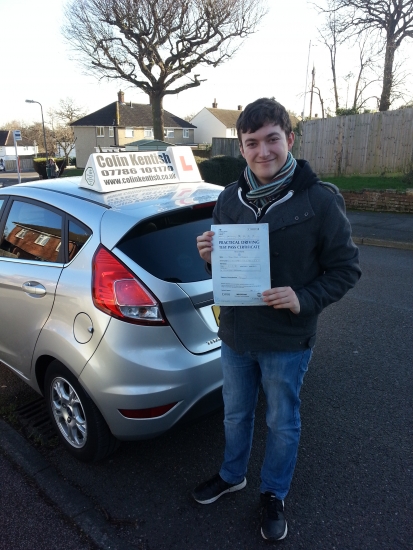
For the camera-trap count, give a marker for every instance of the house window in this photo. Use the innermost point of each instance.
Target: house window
(111, 131)
(21, 234)
(30, 216)
(169, 133)
(129, 133)
(185, 134)
(233, 132)
(148, 132)
(42, 240)
(100, 131)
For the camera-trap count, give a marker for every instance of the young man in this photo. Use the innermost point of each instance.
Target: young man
(314, 262)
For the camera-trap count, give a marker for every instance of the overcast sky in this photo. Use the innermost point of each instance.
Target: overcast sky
(36, 64)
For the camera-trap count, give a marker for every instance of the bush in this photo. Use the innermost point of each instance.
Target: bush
(347, 112)
(40, 166)
(221, 170)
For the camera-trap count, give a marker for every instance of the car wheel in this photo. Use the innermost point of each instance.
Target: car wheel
(80, 425)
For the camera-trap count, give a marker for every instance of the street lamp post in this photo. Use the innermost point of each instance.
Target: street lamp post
(44, 132)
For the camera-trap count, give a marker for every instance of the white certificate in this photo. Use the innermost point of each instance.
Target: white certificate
(240, 264)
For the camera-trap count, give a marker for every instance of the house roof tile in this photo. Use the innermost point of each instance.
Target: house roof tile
(133, 115)
(228, 117)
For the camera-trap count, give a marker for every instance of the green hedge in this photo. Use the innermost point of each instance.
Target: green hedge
(40, 166)
(221, 170)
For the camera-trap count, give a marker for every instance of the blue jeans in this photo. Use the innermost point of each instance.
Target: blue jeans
(281, 375)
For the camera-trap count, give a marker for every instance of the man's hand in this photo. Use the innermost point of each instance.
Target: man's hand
(282, 297)
(204, 244)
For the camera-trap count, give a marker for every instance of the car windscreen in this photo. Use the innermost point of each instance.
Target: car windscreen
(165, 245)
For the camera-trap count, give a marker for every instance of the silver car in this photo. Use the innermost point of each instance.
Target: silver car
(107, 309)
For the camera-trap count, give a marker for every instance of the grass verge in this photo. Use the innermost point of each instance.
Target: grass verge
(358, 183)
(72, 172)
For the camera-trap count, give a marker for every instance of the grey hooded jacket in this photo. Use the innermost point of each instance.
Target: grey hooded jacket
(311, 251)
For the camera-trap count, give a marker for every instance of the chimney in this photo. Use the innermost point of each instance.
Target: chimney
(215, 104)
(121, 97)
(239, 107)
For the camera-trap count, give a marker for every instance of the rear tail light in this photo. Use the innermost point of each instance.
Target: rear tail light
(117, 292)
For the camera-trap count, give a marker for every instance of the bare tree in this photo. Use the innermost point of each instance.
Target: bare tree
(60, 120)
(189, 117)
(331, 34)
(318, 92)
(33, 133)
(153, 44)
(368, 58)
(65, 139)
(13, 125)
(67, 112)
(392, 19)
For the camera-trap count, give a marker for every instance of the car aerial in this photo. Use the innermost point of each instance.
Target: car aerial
(106, 307)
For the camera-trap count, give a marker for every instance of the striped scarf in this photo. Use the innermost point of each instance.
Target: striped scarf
(263, 194)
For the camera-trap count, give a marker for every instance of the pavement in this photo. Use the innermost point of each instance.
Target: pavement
(27, 475)
(389, 229)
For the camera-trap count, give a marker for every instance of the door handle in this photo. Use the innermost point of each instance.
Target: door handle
(32, 287)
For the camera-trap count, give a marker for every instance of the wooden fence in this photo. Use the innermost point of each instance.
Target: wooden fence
(225, 146)
(358, 144)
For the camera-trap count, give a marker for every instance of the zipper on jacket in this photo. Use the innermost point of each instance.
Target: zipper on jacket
(259, 209)
(280, 201)
(248, 205)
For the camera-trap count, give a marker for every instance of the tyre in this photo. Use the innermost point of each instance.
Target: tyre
(79, 424)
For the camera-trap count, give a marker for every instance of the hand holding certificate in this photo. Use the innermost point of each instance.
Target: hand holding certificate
(241, 264)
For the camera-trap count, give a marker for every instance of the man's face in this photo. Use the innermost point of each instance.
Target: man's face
(266, 151)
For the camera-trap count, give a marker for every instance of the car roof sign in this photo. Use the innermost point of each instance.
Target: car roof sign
(106, 172)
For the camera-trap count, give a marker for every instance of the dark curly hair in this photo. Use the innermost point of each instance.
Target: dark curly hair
(260, 112)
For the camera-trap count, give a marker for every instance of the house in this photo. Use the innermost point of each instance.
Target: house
(25, 149)
(120, 123)
(220, 123)
(214, 122)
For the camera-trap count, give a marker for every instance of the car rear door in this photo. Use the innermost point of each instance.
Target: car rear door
(30, 267)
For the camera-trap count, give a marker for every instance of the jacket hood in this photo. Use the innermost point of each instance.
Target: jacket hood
(303, 177)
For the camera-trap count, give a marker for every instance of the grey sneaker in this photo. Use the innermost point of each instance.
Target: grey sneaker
(210, 491)
(273, 524)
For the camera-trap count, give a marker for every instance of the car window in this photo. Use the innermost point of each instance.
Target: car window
(165, 246)
(78, 235)
(32, 232)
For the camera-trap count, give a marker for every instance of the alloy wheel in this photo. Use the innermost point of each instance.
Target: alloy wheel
(68, 412)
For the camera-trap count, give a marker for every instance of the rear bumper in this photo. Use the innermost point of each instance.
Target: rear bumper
(138, 367)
